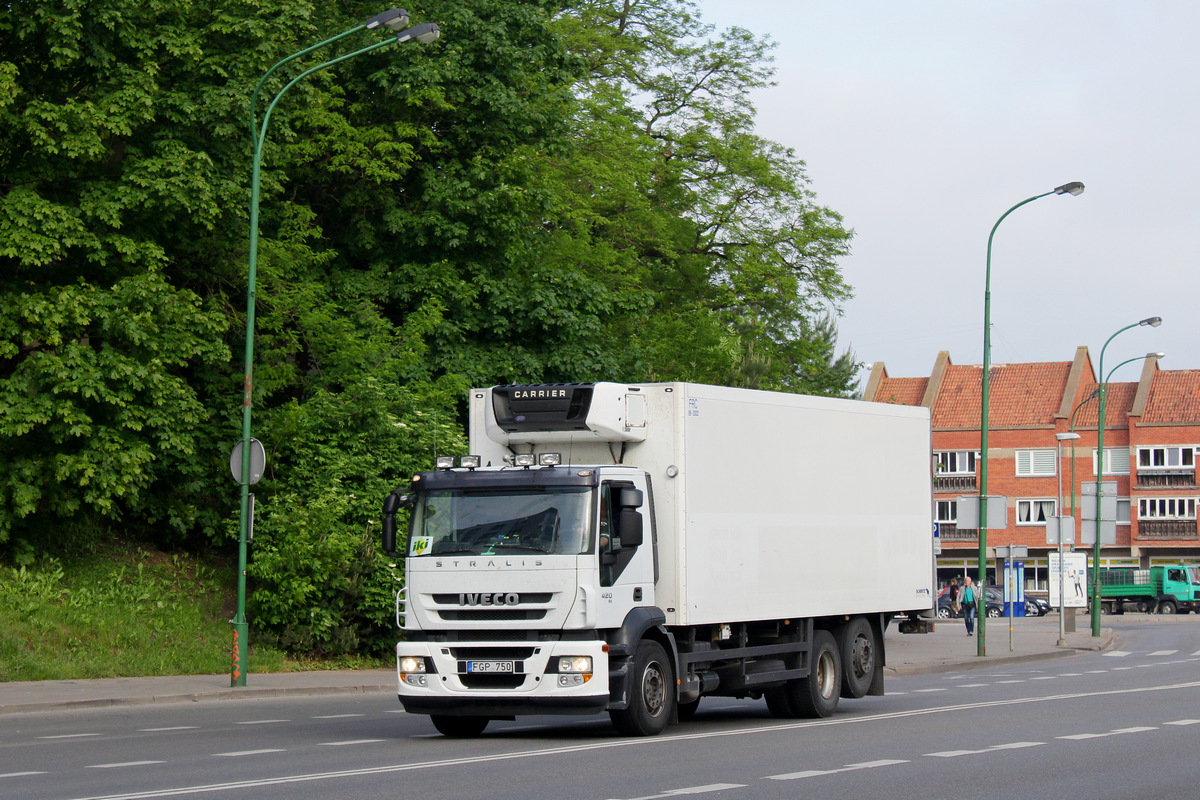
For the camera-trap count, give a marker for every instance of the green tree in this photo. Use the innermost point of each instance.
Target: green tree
(673, 189)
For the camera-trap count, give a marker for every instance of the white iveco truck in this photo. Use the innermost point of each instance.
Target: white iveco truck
(631, 549)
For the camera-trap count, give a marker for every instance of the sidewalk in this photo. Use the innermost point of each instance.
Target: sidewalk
(947, 648)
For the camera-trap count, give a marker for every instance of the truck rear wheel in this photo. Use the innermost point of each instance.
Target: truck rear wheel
(858, 653)
(652, 699)
(459, 727)
(817, 695)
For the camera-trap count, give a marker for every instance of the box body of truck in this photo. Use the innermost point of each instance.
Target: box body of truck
(768, 525)
(1161, 589)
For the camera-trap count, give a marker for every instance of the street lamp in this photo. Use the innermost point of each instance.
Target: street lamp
(394, 19)
(1062, 630)
(1072, 188)
(1088, 399)
(1153, 322)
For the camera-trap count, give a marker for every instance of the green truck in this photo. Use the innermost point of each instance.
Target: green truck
(1162, 590)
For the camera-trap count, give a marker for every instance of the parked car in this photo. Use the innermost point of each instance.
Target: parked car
(995, 604)
(1036, 606)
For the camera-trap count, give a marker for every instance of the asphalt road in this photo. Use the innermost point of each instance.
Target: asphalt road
(1092, 725)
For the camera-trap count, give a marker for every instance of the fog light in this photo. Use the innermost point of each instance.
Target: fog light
(572, 680)
(444, 462)
(523, 459)
(470, 462)
(414, 680)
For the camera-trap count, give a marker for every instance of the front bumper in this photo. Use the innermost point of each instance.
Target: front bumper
(533, 687)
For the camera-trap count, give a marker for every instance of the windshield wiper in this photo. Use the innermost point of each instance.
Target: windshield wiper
(530, 547)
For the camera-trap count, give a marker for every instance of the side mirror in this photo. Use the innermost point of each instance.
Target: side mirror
(390, 504)
(629, 498)
(630, 525)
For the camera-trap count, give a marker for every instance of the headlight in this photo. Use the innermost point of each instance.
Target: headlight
(412, 664)
(575, 664)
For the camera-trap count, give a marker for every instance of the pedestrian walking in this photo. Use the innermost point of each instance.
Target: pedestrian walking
(969, 596)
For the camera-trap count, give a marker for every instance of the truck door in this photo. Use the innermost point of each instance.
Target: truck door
(626, 565)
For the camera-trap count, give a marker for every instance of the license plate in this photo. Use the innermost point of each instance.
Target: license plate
(489, 666)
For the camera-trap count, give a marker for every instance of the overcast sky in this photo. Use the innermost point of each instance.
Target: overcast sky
(922, 122)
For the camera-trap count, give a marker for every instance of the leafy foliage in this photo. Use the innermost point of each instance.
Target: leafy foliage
(551, 191)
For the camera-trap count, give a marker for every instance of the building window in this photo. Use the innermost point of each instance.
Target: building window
(1116, 461)
(1167, 457)
(956, 462)
(947, 511)
(1123, 508)
(1032, 463)
(1035, 512)
(1166, 508)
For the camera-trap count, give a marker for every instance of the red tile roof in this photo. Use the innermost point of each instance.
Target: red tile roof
(1118, 399)
(901, 391)
(1174, 397)
(1020, 395)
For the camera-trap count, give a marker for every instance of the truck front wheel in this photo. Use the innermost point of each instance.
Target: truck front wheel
(1166, 607)
(652, 699)
(459, 727)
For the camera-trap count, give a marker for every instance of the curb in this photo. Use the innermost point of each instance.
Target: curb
(193, 697)
(983, 662)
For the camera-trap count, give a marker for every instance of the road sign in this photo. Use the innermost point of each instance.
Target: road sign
(258, 461)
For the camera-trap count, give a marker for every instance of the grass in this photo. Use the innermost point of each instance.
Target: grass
(126, 611)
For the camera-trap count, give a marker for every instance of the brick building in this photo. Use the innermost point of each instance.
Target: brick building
(1151, 443)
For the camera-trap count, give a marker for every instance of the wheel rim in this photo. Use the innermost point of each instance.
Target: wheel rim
(862, 657)
(826, 672)
(654, 689)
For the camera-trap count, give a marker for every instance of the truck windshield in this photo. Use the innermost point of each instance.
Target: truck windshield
(1194, 574)
(551, 520)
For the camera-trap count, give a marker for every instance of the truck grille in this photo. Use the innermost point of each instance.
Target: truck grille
(492, 615)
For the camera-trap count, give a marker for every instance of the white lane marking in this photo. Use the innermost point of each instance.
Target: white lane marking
(1044, 678)
(712, 787)
(812, 773)
(992, 749)
(19, 774)
(1164, 652)
(124, 764)
(1184, 722)
(349, 742)
(338, 716)
(239, 753)
(1117, 654)
(70, 735)
(172, 728)
(262, 721)
(1117, 732)
(972, 685)
(1012, 681)
(455, 763)
(922, 691)
(1071, 675)
(1095, 672)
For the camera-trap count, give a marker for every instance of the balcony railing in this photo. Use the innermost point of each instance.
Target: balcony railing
(950, 532)
(955, 483)
(1163, 479)
(1167, 529)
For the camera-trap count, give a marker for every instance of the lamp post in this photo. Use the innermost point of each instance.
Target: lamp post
(1062, 627)
(1072, 188)
(1085, 401)
(394, 19)
(1153, 322)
